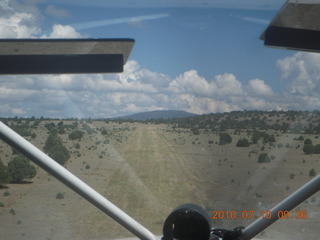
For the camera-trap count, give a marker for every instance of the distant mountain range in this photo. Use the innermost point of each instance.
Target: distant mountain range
(165, 114)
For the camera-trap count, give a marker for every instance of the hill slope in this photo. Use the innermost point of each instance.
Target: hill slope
(165, 114)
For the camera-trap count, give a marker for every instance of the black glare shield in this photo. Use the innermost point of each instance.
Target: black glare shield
(54, 56)
(295, 27)
(51, 64)
(294, 39)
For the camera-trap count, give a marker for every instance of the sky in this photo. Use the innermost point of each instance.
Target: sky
(197, 56)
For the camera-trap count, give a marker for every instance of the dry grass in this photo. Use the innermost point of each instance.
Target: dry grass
(147, 171)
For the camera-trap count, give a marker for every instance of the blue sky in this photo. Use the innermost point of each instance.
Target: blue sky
(211, 40)
(202, 56)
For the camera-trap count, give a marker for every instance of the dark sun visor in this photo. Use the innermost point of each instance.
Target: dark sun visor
(296, 27)
(52, 56)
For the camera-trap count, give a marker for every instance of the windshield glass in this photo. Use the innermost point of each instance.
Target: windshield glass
(203, 113)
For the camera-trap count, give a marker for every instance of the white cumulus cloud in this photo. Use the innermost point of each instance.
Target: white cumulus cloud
(62, 31)
(259, 88)
(139, 89)
(302, 70)
(18, 25)
(23, 21)
(228, 85)
(190, 82)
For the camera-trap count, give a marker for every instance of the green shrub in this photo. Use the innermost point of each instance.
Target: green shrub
(307, 142)
(12, 211)
(317, 149)
(264, 158)
(280, 145)
(50, 126)
(20, 169)
(243, 142)
(60, 195)
(104, 131)
(195, 131)
(55, 148)
(224, 138)
(76, 134)
(59, 153)
(23, 130)
(301, 138)
(308, 149)
(267, 138)
(312, 173)
(61, 130)
(292, 175)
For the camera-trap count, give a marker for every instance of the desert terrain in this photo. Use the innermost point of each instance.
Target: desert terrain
(149, 169)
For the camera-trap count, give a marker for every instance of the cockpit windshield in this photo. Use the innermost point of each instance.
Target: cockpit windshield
(201, 112)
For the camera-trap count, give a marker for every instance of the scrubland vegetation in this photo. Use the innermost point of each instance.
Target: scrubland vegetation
(148, 168)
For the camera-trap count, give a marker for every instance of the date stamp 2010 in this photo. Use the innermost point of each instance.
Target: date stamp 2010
(250, 214)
